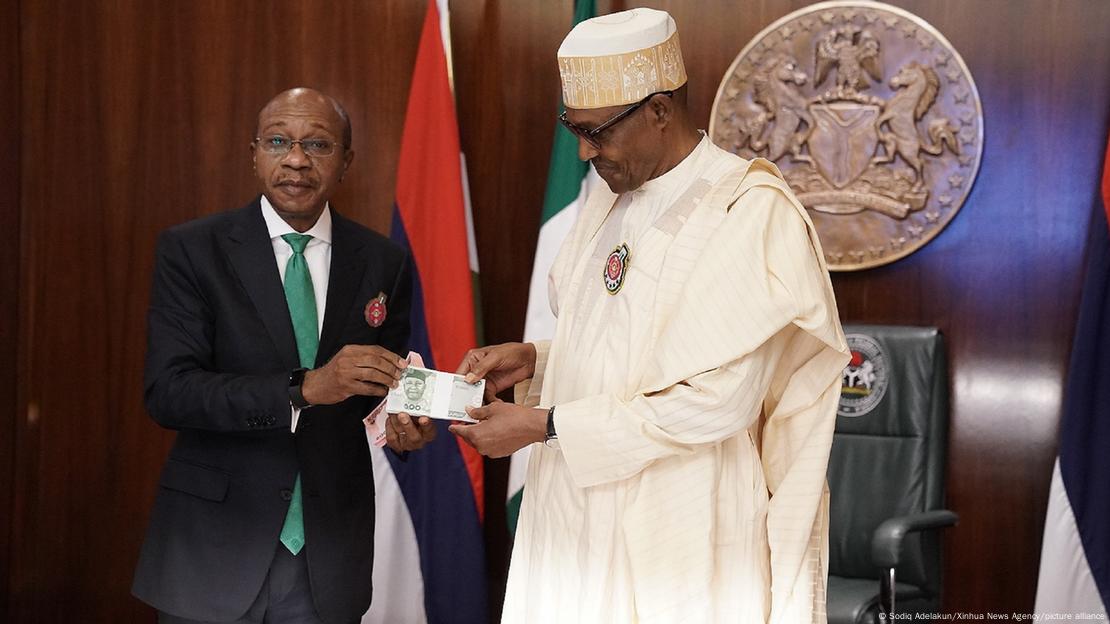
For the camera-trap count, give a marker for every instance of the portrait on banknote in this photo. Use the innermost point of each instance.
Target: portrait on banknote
(419, 389)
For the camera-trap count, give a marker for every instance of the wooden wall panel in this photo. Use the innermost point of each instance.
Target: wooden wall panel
(9, 276)
(136, 115)
(508, 95)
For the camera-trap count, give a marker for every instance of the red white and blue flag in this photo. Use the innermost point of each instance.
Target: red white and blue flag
(429, 560)
(1075, 557)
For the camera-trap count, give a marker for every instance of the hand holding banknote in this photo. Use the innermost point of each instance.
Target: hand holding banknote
(502, 366)
(404, 419)
(502, 428)
(366, 370)
(400, 431)
(404, 432)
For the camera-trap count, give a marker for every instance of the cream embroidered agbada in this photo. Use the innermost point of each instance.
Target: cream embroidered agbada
(695, 409)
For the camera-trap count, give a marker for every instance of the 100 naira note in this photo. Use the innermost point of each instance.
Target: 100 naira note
(436, 394)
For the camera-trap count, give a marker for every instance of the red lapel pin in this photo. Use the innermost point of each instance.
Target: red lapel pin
(375, 311)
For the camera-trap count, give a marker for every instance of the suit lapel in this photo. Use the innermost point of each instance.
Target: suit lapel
(248, 247)
(347, 267)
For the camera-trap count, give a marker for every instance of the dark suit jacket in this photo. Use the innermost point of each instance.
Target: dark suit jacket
(219, 353)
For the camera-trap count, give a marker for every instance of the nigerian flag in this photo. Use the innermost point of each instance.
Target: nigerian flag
(567, 182)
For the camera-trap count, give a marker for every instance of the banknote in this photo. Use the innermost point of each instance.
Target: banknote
(375, 420)
(436, 394)
(375, 425)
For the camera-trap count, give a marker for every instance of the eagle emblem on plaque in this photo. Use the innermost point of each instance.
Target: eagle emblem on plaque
(870, 114)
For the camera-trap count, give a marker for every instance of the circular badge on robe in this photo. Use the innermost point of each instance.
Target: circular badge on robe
(865, 378)
(616, 265)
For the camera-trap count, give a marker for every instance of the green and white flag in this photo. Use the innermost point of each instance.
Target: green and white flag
(568, 180)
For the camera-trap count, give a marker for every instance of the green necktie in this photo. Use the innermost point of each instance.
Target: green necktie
(302, 310)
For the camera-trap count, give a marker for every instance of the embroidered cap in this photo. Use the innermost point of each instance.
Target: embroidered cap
(621, 58)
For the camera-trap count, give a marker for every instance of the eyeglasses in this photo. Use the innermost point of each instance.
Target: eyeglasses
(590, 136)
(279, 145)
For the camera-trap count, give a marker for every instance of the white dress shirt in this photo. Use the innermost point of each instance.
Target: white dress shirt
(317, 255)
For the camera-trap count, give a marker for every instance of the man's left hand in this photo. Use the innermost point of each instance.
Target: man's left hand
(405, 433)
(503, 428)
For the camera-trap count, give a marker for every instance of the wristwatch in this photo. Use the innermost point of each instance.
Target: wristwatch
(296, 397)
(551, 435)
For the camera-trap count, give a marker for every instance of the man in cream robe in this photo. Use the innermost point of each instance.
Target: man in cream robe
(694, 375)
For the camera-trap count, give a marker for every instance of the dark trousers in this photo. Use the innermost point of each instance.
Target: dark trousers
(285, 597)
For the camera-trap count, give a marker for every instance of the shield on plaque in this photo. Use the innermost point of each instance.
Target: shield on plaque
(844, 139)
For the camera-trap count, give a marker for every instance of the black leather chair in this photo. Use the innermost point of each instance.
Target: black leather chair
(886, 476)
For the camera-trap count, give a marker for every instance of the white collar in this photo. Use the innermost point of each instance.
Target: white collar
(277, 226)
(680, 173)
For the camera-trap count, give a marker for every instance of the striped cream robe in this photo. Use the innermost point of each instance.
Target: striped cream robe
(695, 409)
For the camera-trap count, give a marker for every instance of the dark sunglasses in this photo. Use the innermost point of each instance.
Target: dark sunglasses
(590, 136)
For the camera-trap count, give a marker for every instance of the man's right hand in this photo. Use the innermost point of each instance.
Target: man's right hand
(367, 370)
(502, 366)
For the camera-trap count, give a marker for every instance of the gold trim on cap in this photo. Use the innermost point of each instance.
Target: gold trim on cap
(626, 78)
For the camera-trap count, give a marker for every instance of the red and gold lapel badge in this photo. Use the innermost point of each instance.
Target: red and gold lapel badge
(375, 311)
(616, 266)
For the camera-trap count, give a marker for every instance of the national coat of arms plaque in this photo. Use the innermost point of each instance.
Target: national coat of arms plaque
(870, 114)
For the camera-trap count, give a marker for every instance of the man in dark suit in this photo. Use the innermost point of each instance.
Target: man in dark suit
(273, 330)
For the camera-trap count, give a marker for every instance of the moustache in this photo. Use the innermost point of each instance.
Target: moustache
(295, 182)
(603, 165)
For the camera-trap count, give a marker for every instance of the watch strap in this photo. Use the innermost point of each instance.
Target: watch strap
(551, 434)
(296, 395)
